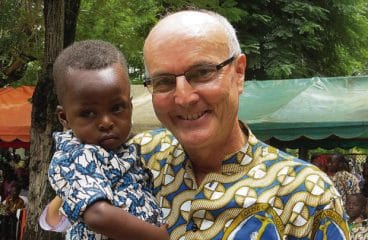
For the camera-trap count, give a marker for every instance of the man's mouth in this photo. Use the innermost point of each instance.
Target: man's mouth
(192, 117)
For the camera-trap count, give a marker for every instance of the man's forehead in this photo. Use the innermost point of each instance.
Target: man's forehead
(185, 39)
(186, 23)
(185, 36)
(188, 19)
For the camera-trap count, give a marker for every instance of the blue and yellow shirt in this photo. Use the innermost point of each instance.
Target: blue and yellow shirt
(261, 193)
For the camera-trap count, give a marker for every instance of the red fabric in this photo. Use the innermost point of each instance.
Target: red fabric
(15, 115)
(322, 161)
(14, 144)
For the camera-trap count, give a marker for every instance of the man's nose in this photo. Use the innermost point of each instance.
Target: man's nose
(185, 94)
(105, 123)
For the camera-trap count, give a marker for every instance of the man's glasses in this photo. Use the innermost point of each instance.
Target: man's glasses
(195, 76)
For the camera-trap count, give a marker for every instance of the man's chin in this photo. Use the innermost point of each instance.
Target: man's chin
(192, 139)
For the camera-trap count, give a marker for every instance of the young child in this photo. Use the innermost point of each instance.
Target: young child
(106, 191)
(355, 208)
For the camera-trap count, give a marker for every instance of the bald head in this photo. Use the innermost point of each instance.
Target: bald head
(196, 25)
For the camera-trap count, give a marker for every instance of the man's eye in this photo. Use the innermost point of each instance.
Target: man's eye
(201, 73)
(163, 80)
(161, 83)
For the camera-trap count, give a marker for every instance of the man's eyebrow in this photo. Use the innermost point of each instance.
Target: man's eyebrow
(194, 65)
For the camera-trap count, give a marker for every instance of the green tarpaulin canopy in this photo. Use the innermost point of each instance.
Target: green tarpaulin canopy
(309, 113)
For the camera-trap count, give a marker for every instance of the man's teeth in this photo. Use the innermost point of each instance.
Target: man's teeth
(193, 116)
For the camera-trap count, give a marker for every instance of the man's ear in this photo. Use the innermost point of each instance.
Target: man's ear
(240, 67)
(62, 116)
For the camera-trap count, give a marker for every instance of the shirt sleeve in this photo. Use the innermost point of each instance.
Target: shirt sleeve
(330, 222)
(77, 174)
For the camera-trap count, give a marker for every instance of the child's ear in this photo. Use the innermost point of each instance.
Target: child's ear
(62, 116)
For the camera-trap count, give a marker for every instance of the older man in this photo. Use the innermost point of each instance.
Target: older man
(213, 178)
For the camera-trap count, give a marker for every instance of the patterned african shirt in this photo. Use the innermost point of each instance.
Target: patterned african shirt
(345, 183)
(261, 193)
(82, 174)
(359, 231)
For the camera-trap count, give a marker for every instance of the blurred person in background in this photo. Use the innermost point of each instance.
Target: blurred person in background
(344, 181)
(8, 214)
(358, 223)
(321, 161)
(364, 184)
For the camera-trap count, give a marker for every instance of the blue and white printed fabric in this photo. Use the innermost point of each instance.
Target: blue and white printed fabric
(82, 174)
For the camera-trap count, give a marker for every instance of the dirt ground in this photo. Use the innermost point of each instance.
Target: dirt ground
(144, 117)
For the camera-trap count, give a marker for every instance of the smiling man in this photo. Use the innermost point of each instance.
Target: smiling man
(213, 178)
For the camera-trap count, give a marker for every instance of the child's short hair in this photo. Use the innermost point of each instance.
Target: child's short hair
(85, 55)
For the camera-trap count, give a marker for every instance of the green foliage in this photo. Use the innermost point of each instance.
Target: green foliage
(294, 39)
(21, 37)
(127, 23)
(282, 38)
(123, 23)
(31, 74)
(227, 8)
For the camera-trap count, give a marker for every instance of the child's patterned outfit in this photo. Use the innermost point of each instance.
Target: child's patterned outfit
(82, 174)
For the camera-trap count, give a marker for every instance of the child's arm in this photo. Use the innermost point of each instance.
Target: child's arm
(51, 219)
(53, 216)
(102, 217)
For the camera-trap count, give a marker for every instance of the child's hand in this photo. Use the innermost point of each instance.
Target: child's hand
(164, 226)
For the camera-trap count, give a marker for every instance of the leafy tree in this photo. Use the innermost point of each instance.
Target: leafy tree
(123, 23)
(20, 40)
(227, 8)
(60, 22)
(282, 39)
(294, 39)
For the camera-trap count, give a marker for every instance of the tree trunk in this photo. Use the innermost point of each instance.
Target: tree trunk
(70, 21)
(44, 120)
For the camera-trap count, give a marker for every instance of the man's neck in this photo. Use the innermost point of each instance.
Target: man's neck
(209, 159)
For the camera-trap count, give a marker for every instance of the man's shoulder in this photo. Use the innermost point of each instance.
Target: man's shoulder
(268, 152)
(153, 132)
(154, 137)
(275, 158)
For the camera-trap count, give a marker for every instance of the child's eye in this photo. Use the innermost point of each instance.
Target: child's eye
(87, 114)
(118, 108)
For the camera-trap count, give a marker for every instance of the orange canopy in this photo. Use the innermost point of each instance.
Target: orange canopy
(15, 116)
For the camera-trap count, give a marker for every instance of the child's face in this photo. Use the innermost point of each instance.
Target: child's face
(97, 106)
(353, 207)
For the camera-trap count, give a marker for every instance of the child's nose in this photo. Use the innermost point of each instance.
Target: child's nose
(105, 123)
